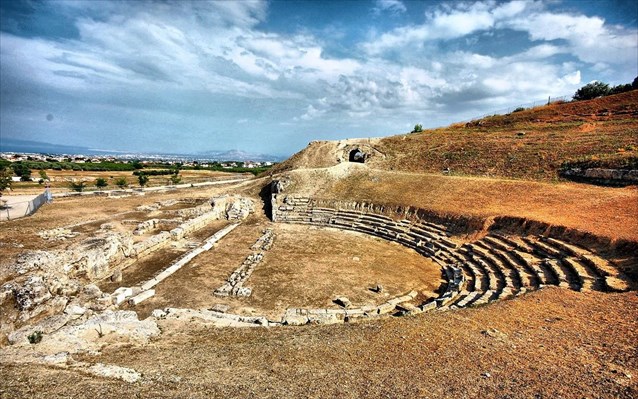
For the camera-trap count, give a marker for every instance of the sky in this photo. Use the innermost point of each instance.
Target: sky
(270, 76)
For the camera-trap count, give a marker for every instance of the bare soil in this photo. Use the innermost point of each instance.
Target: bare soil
(549, 343)
(305, 268)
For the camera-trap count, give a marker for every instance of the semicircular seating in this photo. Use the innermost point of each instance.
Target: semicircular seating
(497, 266)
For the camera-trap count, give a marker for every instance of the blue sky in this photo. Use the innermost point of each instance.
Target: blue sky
(270, 76)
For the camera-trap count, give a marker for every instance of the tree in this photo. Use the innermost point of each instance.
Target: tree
(417, 128)
(176, 179)
(121, 182)
(78, 186)
(43, 174)
(5, 179)
(592, 90)
(137, 164)
(634, 84)
(101, 182)
(22, 170)
(620, 89)
(143, 179)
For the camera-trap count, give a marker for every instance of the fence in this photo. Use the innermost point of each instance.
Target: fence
(509, 110)
(20, 209)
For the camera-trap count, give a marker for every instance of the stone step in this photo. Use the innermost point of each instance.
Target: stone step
(525, 277)
(497, 243)
(518, 242)
(482, 257)
(542, 248)
(614, 280)
(532, 264)
(588, 281)
(468, 299)
(566, 279)
(483, 276)
(483, 298)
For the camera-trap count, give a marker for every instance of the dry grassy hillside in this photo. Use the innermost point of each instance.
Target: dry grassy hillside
(530, 144)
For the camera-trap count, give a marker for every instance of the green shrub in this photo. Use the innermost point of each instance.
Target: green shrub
(121, 182)
(78, 186)
(142, 179)
(176, 179)
(417, 128)
(620, 89)
(101, 182)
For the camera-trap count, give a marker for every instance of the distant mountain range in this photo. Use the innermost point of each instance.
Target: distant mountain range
(237, 155)
(38, 147)
(16, 145)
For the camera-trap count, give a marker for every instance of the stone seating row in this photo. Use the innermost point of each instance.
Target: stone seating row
(300, 316)
(495, 267)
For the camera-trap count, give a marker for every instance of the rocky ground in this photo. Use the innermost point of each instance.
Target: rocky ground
(553, 343)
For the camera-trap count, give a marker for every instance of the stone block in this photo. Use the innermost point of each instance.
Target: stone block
(219, 307)
(342, 301)
(295, 320)
(120, 294)
(144, 295)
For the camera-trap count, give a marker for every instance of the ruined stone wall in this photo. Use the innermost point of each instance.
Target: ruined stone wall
(602, 176)
(47, 282)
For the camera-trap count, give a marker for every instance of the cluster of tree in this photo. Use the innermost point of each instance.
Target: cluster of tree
(163, 172)
(216, 166)
(22, 171)
(601, 89)
(94, 167)
(5, 178)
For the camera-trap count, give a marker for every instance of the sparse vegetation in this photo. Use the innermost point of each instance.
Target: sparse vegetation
(121, 182)
(155, 172)
(78, 186)
(22, 170)
(175, 179)
(518, 109)
(101, 182)
(142, 179)
(5, 179)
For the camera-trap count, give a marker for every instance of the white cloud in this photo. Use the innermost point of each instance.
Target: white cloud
(588, 38)
(446, 23)
(572, 78)
(174, 52)
(391, 6)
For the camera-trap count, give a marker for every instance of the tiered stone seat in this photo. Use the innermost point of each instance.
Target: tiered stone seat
(510, 274)
(598, 268)
(587, 278)
(526, 278)
(488, 282)
(495, 267)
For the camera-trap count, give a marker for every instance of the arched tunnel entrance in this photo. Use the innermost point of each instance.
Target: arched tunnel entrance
(357, 155)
